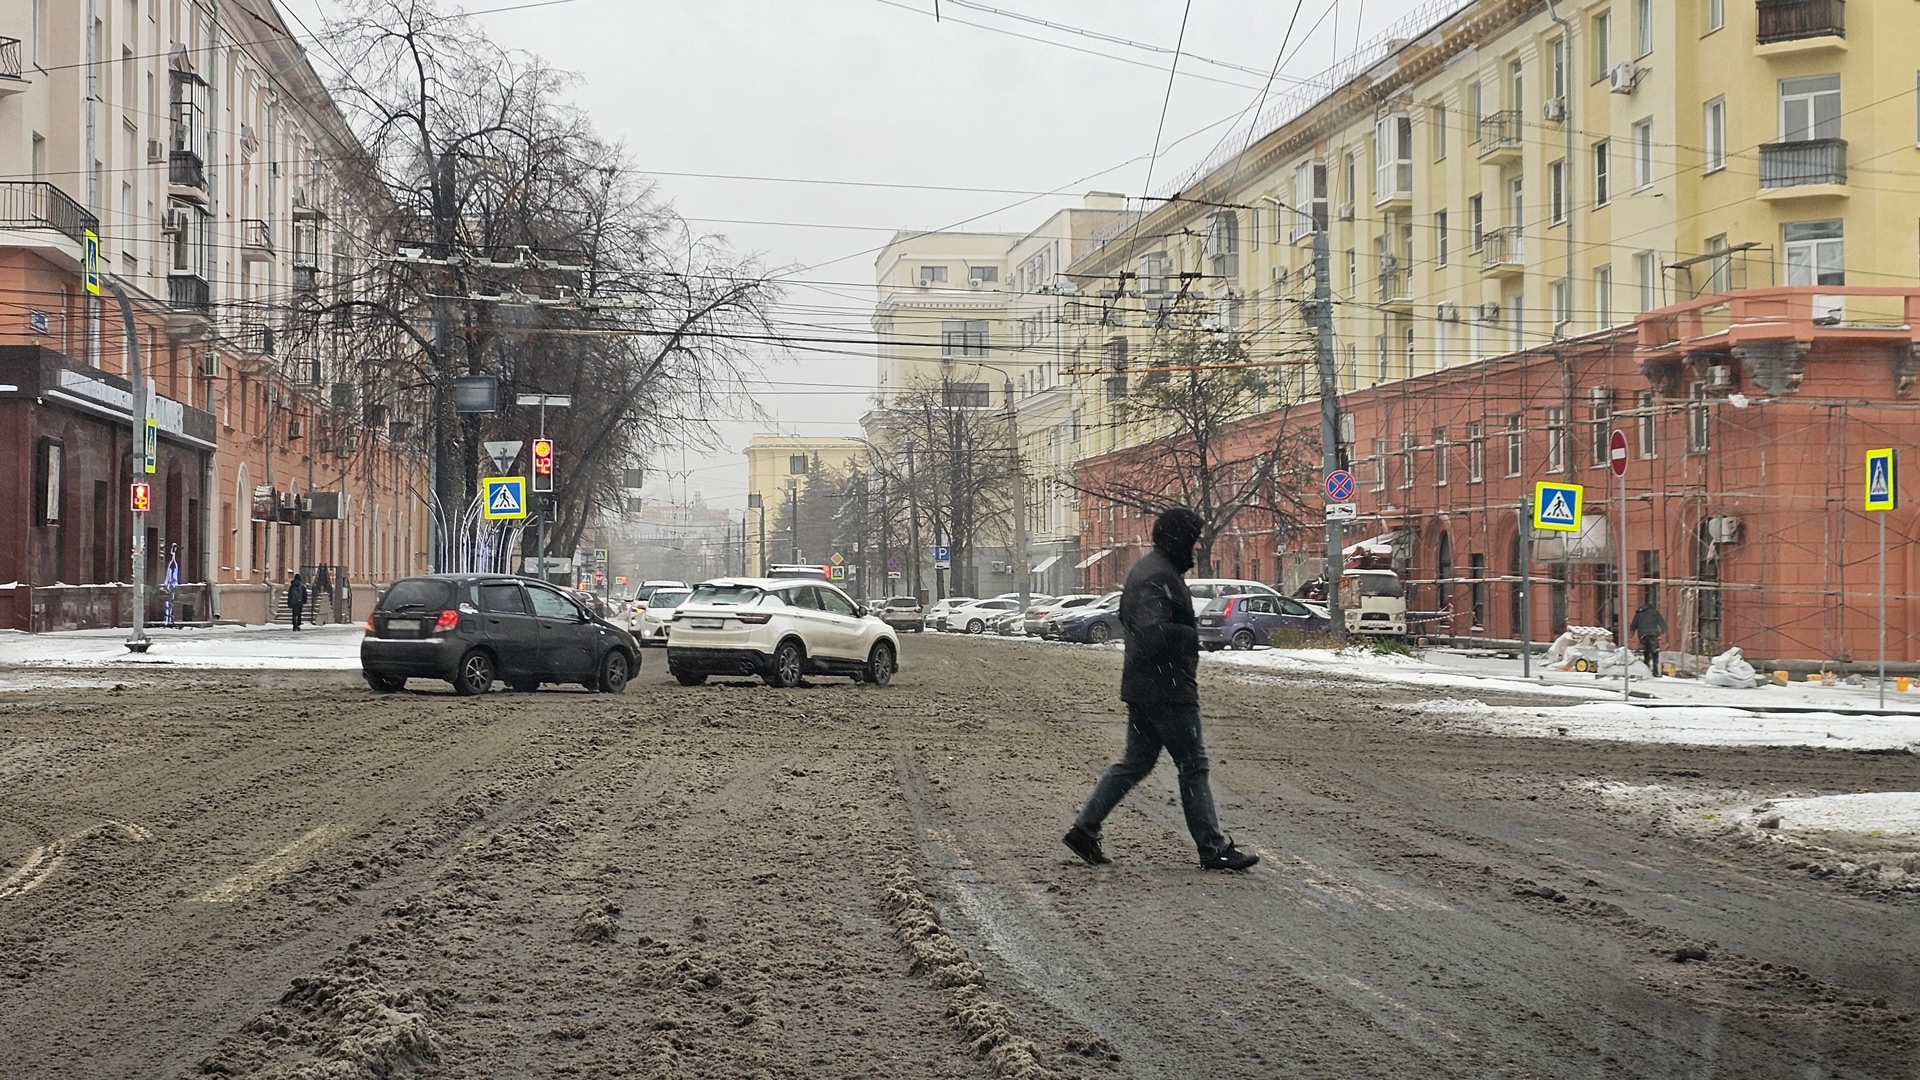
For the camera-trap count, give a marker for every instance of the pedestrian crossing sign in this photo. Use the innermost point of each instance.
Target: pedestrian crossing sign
(1883, 480)
(1556, 507)
(503, 498)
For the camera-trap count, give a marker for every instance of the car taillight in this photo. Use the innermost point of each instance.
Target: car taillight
(448, 619)
(1229, 609)
(754, 617)
(369, 622)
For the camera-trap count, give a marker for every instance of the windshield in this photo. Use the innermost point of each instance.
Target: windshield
(1217, 605)
(734, 595)
(418, 594)
(668, 598)
(1380, 585)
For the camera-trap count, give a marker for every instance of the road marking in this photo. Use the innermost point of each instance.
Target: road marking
(273, 866)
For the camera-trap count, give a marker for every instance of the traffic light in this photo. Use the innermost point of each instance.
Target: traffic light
(142, 497)
(542, 465)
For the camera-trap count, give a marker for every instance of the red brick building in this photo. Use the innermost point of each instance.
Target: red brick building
(1747, 420)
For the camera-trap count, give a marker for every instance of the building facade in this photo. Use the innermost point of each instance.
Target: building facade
(779, 468)
(208, 170)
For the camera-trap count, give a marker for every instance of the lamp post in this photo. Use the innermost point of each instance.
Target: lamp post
(137, 641)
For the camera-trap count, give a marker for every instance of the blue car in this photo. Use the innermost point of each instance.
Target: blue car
(1095, 624)
(1249, 619)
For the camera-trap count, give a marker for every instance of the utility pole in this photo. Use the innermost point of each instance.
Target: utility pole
(1329, 412)
(793, 517)
(138, 640)
(1020, 573)
(913, 524)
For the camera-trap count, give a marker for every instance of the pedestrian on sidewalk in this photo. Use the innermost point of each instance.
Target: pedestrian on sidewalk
(297, 599)
(1648, 626)
(1159, 686)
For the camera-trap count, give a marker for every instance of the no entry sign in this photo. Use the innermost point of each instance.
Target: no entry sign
(1617, 452)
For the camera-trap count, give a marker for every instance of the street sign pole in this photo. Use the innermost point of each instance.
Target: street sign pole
(1526, 587)
(1617, 460)
(1882, 497)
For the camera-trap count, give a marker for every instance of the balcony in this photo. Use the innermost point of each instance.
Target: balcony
(189, 295)
(10, 80)
(1796, 26)
(1502, 252)
(1803, 169)
(1500, 137)
(187, 175)
(34, 204)
(1396, 286)
(256, 240)
(306, 280)
(254, 338)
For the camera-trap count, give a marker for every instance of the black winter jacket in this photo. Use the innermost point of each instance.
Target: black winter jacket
(1163, 643)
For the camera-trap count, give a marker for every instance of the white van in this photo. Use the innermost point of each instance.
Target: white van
(1374, 603)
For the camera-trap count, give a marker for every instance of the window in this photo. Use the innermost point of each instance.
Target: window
(1602, 172)
(1442, 344)
(1406, 462)
(1380, 464)
(1720, 268)
(1557, 191)
(1810, 108)
(1557, 67)
(1516, 88)
(1602, 44)
(1392, 156)
(1716, 134)
(1310, 197)
(1699, 431)
(1516, 321)
(1716, 15)
(1439, 114)
(1352, 180)
(933, 275)
(1815, 254)
(1223, 243)
(1253, 228)
(1476, 223)
(1642, 27)
(1646, 267)
(1643, 153)
(1603, 296)
(1476, 111)
(966, 395)
(1407, 350)
(505, 598)
(984, 273)
(1440, 456)
(1649, 434)
(1556, 439)
(1476, 452)
(1561, 300)
(1516, 442)
(1353, 269)
(1477, 574)
(188, 114)
(1440, 238)
(1383, 357)
(1599, 414)
(963, 337)
(797, 465)
(1650, 576)
(548, 604)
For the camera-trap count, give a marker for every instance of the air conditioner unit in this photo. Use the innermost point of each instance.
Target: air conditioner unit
(1724, 529)
(1346, 211)
(1621, 78)
(1487, 313)
(1002, 568)
(1719, 377)
(974, 282)
(1278, 275)
(1554, 109)
(925, 281)
(156, 150)
(1449, 312)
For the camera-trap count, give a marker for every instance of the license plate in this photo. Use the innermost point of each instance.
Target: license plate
(1209, 622)
(707, 624)
(405, 627)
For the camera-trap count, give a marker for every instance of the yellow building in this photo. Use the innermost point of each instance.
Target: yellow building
(1514, 172)
(779, 468)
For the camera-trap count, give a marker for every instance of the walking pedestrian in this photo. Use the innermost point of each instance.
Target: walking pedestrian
(1648, 625)
(297, 599)
(323, 590)
(1162, 696)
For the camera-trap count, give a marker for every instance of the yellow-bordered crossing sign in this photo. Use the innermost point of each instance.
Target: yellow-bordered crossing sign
(1883, 480)
(1556, 507)
(503, 498)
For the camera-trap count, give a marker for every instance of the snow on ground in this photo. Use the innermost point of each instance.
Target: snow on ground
(1888, 813)
(1698, 725)
(333, 647)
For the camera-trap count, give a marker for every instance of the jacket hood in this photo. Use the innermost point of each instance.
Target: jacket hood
(1175, 532)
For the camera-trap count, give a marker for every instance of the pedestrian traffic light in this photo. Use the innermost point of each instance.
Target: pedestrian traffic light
(142, 498)
(542, 465)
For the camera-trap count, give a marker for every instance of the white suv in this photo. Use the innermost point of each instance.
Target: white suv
(780, 630)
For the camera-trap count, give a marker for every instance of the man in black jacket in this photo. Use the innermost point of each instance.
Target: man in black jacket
(1648, 625)
(1162, 695)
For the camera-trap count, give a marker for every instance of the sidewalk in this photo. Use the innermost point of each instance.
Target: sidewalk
(333, 647)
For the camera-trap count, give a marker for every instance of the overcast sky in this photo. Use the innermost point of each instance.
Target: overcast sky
(809, 102)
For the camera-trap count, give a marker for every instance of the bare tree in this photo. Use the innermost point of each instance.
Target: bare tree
(961, 484)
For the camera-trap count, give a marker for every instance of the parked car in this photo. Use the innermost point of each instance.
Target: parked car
(904, 613)
(1248, 619)
(651, 625)
(1206, 590)
(1096, 624)
(937, 614)
(1035, 622)
(780, 629)
(1051, 628)
(974, 618)
(475, 629)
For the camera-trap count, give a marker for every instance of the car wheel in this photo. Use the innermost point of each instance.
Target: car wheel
(525, 686)
(880, 665)
(690, 678)
(1100, 633)
(787, 662)
(385, 684)
(974, 626)
(475, 674)
(614, 672)
(1243, 639)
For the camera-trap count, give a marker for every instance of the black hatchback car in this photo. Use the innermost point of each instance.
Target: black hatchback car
(475, 629)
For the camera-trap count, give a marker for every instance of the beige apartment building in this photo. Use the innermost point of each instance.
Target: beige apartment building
(195, 151)
(779, 468)
(1502, 174)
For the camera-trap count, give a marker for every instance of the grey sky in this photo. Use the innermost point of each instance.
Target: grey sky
(877, 91)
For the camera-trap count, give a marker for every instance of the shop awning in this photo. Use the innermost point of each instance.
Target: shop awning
(1093, 558)
(1044, 564)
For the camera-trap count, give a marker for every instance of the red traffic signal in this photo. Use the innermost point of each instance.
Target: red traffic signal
(542, 465)
(142, 498)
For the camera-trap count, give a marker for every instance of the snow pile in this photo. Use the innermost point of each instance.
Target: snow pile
(1730, 669)
(1876, 813)
(1698, 725)
(333, 647)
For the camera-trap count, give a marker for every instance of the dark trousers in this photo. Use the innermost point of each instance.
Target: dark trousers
(297, 611)
(1650, 652)
(1149, 728)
